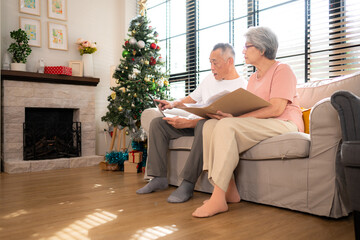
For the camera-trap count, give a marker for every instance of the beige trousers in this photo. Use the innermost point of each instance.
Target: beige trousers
(225, 139)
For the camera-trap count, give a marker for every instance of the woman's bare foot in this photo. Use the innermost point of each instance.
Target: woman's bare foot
(216, 204)
(210, 208)
(232, 194)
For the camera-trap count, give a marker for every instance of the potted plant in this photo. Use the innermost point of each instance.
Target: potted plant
(20, 49)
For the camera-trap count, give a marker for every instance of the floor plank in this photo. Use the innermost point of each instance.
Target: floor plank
(87, 203)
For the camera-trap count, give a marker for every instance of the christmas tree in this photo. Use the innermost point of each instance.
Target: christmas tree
(139, 74)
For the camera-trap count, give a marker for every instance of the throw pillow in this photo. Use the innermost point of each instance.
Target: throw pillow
(306, 118)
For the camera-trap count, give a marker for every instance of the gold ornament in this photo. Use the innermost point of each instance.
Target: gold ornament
(133, 32)
(142, 5)
(113, 95)
(146, 62)
(122, 89)
(135, 95)
(134, 52)
(166, 83)
(120, 109)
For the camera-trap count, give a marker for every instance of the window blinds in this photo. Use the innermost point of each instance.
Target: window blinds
(318, 39)
(333, 34)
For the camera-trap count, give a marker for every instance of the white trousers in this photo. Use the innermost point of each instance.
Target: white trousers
(225, 139)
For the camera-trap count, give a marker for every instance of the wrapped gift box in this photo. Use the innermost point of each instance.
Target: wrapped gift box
(135, 156)
(109, 166)
(60, 70)
(130, 167)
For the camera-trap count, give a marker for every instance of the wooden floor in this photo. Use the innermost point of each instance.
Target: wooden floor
(87, 203)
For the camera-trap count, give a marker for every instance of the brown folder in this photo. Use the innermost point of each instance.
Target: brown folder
(237, 103)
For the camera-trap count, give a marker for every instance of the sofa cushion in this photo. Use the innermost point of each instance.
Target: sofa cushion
(285, 146)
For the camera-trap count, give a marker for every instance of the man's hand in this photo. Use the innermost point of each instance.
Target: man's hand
(163, 104)
(220, 115)
(179, 123)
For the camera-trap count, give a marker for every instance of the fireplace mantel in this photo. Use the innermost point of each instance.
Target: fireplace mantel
(47, 78)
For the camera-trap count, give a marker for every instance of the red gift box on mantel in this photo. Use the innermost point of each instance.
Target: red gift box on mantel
(60, 70)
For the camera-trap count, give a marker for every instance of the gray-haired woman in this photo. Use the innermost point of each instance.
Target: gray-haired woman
(226, 136)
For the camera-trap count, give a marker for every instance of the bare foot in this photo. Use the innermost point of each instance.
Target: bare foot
(232, 194)
(210, 208)
(205, 201)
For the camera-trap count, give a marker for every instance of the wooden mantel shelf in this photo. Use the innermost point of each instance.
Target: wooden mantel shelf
(47, 78)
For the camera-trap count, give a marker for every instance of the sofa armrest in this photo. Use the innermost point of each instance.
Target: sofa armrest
(325, 180)
(149, 114)
(325, 131)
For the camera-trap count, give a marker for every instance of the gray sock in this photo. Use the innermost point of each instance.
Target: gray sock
(157, 183)
(183, 193)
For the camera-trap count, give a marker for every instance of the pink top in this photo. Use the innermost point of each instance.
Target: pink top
(279, 82)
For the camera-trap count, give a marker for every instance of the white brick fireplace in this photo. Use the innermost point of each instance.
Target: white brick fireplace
(18, 95)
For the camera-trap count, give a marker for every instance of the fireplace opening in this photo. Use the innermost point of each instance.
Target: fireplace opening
(51, 133)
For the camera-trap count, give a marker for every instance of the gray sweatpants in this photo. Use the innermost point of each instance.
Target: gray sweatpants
(160, 134)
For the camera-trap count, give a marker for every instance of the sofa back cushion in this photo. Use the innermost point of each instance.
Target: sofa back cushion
(312, 92)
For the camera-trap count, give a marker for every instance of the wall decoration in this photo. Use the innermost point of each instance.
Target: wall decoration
(32, 27)
(57, 9)
(77, 68)
(30, 7)
(57, 36)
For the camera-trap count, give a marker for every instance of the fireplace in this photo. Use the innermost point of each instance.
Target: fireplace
(50, 133)
(44, 98)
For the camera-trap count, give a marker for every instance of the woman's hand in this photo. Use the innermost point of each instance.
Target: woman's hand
(220, 115)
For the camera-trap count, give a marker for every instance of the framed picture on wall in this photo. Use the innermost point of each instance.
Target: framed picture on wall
(30, 7)
(57, 36)
(32, 27)
(57, 9)
(77, 68)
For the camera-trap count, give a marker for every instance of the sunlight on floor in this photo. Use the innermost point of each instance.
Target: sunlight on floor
(154, 232)
(15, 214)
(79, 229)
(97, 185)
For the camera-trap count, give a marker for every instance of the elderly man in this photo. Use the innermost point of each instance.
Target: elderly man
(224, 77)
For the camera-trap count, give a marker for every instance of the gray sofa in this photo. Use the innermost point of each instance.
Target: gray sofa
(297, 171)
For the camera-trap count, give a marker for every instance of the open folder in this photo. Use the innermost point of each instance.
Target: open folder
(237, 103)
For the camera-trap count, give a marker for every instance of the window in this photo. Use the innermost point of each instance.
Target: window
(318, 39)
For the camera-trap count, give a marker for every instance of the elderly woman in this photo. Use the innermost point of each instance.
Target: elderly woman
(226, 136)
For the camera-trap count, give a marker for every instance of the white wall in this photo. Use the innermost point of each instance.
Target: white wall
(105, 22)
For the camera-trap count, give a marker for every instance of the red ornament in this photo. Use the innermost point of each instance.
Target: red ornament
(153, 46)
(158, 47)
(152, 61)
(126, 43)
(133, 59)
